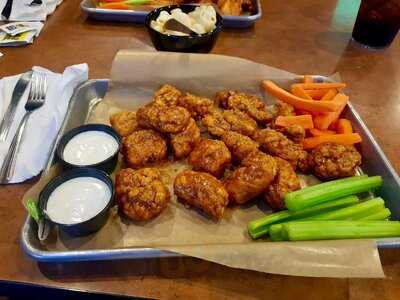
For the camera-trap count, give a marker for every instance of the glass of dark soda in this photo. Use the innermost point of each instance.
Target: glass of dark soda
(378, 22)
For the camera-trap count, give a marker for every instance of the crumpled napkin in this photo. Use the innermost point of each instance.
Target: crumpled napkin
(24, 10)
(44, 123)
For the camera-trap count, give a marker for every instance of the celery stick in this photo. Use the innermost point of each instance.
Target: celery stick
(382, 214)
(136, 2)
(324, 230)
(353, 212)
(260, 227)
(317, 186)
(330, 191)
(275, 232)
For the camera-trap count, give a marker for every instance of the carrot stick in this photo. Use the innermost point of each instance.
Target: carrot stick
(316, 94)
(115, 5)
(329, 95)
(300, 92)
(344, 126)
(304, 121)
(318, 132)
(323, 121)
(344, 139)
(308, 79)
(323, 85)
(297, 102)
(300, 112)
(333, 126)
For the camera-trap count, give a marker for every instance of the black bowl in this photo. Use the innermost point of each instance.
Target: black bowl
(107, 165)
(199, 43)
(89, 226)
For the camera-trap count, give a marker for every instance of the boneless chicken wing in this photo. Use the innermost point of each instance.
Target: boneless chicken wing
(202, 191)
(124, 122)
(141, 195)
(239, 144)
(284, 109)
(277, 144)
(285, 181)
(166, 119)
(249, 104)
(331, 161)
(240, 122)
(197, 106)
(295, 132)
(167, 95)
(183, 143)
(143, 147)
(255, 174)
(210, 156)
(215, 123)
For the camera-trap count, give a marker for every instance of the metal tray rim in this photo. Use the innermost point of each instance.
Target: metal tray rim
(140, 253)
(101, 11)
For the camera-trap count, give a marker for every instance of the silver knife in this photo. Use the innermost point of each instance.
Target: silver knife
(8, 117)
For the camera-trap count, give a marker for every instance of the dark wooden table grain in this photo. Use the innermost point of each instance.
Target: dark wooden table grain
(303, 36)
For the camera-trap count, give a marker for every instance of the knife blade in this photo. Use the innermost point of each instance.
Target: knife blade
(6, 12)
(19, 90)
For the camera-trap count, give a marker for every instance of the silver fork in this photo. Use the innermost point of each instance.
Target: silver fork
(36, 98)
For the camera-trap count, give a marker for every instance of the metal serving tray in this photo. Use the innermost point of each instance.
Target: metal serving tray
(139, 16)
(92, 92)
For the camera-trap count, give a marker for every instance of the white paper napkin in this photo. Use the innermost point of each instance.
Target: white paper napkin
(44, 123)
(23, 11)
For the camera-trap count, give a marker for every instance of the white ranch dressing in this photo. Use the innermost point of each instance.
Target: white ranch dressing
(90, 147)
(78, 200)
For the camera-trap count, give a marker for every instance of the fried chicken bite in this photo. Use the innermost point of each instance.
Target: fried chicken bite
(303, 164)
(197, 106)
(255, 174)
(284, 109)
(215, 123)
(285, 181)
(167, 95)
(249, 104)
(140, 194)
(183, 143)
(124, 122)
(221, 97)
(239, 144)
(210, 156)
(240, 122)
(295, 132)
(275, 143)
(202, 191)
(167, 119)
(143, 147)
(331, 161)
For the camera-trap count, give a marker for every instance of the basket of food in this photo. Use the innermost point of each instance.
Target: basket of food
(235, 13)
(230, 169)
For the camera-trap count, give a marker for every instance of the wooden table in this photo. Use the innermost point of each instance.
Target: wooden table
(303, 36)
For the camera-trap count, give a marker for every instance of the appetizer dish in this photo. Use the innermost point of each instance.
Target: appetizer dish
(200, 21)
(91, 145)
(68, 205)
(83, 149)
(78, 200)
(238, 148)
(226, 7)
(184, 28)
(210, 155)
